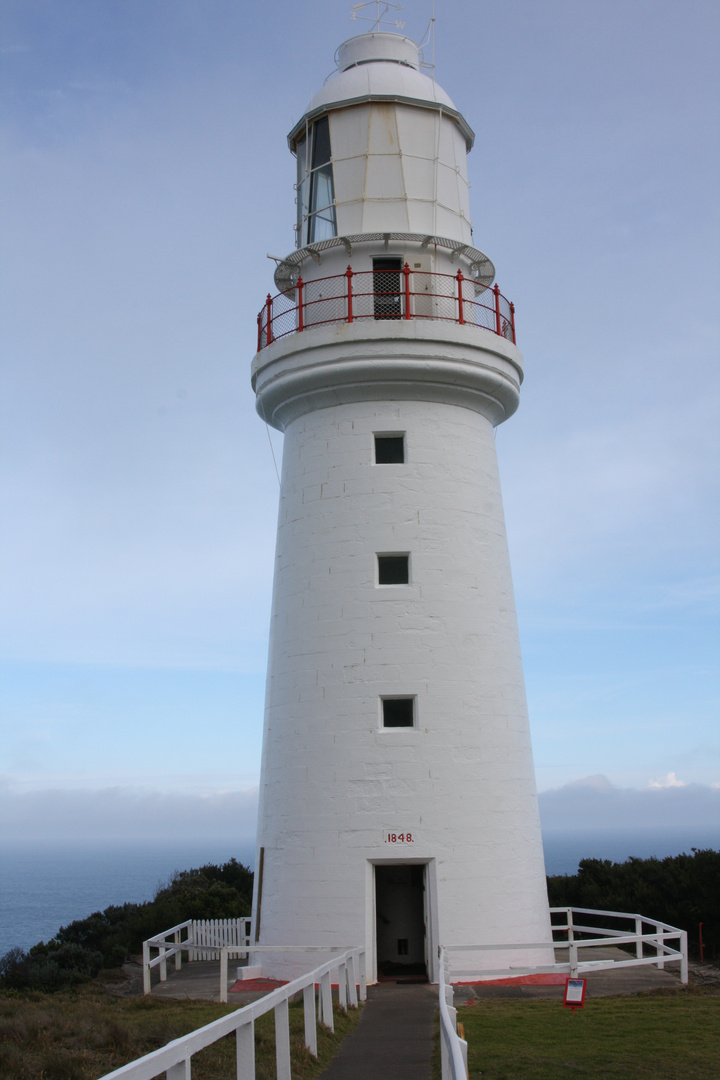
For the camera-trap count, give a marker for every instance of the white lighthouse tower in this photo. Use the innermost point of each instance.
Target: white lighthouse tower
(398, 807)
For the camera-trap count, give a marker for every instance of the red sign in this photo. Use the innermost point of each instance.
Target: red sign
(575, 993)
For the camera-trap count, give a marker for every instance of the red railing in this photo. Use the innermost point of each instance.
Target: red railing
(385, 294)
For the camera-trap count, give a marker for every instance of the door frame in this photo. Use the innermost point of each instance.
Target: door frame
(430, 914)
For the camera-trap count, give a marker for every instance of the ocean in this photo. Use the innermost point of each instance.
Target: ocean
(46, 886)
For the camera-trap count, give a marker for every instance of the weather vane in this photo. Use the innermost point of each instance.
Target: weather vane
(378, 21)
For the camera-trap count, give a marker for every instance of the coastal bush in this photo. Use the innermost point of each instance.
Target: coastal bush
(682, 890)
(106, 938)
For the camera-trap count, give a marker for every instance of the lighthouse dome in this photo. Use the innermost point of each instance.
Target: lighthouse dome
(381, 148)
(381, 67)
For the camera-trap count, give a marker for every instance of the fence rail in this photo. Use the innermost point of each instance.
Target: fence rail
(174, 1060)
(381, 295)
(658, 939)
(201, 939)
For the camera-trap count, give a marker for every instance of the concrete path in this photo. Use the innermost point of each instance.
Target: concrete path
(394, 1038)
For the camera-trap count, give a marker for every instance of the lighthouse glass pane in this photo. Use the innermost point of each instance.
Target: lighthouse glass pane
(398, 712)
(315, 186)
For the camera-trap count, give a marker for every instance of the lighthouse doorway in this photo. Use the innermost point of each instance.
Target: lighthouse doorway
(400, 921)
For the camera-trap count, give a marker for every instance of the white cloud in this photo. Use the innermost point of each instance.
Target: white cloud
(126, 813)
(669, 781)
(595, 803)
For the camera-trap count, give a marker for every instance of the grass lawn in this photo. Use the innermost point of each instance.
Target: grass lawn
(84, 1033)
(665, 1035)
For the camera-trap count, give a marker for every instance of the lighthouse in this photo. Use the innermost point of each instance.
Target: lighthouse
(398, 808)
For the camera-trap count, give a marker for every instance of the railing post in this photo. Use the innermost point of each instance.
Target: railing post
(342, 986)
(223, 974)
(146, 967)
(163, 963)
(362, 961)
(352, 981)
(282, 1040)
(349, 276)
(300, 287)
(327, 1009)
(684, 961)
(181, 1071)
(461, 314)
(310, 1021)
(259, 347)
(268, 316)
(498, 324)
(406, 272)
(245, 1050)
(178, 954)
(660, 946)
(638, 931)
(512, 321)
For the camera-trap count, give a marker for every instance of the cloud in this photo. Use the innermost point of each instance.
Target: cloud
(126, 813)
(595, 803)
(668, 781)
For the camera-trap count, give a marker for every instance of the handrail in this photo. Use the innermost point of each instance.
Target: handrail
(174, 1059)
(171, 944)
(453, 1049)
(658, 939)
(381, 295)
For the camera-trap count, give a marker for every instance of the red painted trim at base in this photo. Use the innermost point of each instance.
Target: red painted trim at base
(548, 979)
(253, 985)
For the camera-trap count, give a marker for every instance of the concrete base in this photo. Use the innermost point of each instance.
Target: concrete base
(250, 972)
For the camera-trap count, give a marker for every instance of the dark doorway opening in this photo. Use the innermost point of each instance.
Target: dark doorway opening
(400, 923)
(387, 298)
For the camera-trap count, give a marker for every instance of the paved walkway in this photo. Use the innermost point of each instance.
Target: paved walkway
(394, 1038)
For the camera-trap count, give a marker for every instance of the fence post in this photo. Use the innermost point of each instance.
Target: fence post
(342, 986)
(310, 1022)
(498, 324)
(352, 981)
(268, 316)
(178, 954)
(684, 961)
(660, 946)
(362, 961)
(349, 276)
(461, 315)
(245, 1050)
(282, 1040)
(181, 1071)
(638, 931)
(406, 272)
(327, 1009)
(512, 321)
(163, 963)
(146, 967)
(223, 974)
(300, 287)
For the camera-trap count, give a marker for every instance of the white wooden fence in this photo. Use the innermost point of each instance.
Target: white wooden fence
(655, 943)
(201, 939)
(174, 1060)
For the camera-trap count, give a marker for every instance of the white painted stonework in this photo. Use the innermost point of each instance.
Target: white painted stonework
(340, 794)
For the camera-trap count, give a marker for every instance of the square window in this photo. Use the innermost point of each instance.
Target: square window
(393, 569)
(389, 449)
(398, 712)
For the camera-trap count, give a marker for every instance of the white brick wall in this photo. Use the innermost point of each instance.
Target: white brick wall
(333, 781)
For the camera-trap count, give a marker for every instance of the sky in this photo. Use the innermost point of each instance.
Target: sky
(145, 177)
